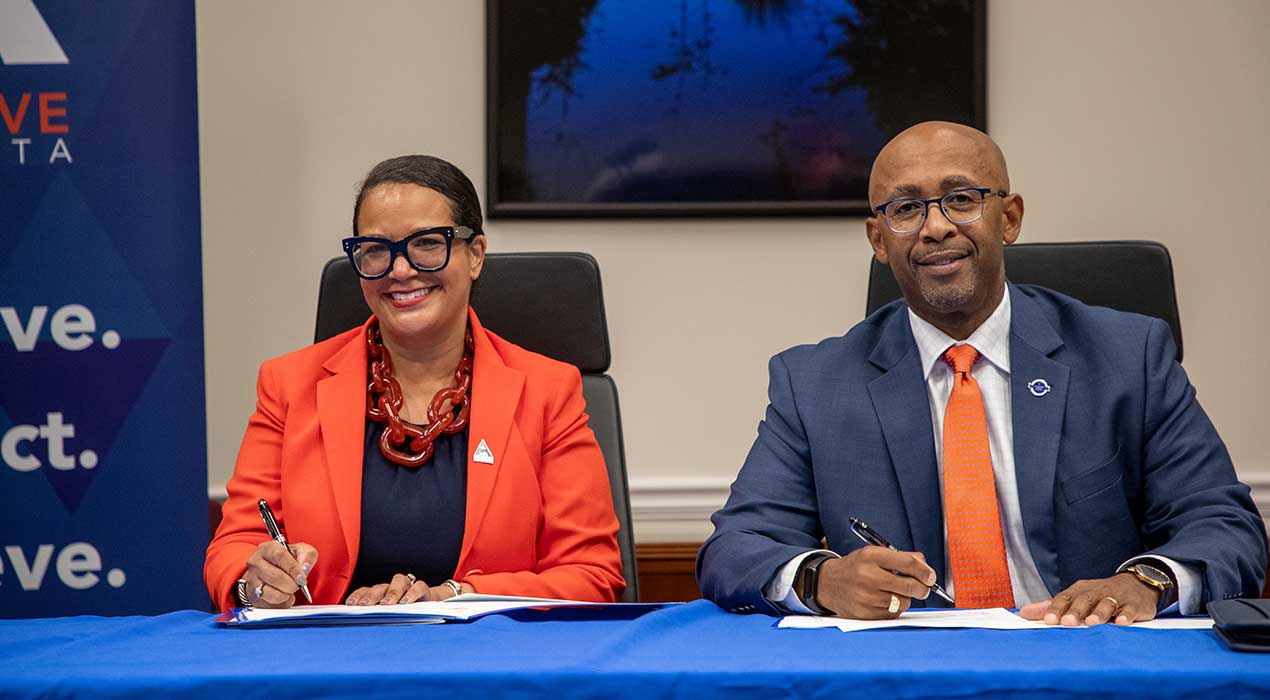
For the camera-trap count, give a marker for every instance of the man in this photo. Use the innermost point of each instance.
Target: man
(1016, 446)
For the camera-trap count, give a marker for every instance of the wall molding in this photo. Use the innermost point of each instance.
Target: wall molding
(676, 499)
(1260, 485)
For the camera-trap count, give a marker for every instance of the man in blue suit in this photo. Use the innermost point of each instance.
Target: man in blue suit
(1108, 495)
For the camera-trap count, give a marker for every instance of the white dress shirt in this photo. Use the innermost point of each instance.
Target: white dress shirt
(992, 372)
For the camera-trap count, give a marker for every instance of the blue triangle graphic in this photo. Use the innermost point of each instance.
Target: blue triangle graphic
(94, 390)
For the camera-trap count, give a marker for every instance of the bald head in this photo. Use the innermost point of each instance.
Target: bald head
(956, 150)
(951, 273)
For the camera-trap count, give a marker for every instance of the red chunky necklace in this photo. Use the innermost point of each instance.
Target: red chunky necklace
(402, 442)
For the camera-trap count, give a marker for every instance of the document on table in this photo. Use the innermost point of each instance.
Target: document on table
(990, 618)
(468, 606)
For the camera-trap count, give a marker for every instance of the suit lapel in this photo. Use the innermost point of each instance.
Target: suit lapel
(341, 403)
(903, 410)
(1038, 426)
(496, 390)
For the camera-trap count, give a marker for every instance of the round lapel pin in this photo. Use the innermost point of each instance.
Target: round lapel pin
(1038, 387)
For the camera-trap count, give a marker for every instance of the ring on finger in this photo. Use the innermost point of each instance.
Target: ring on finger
(895, 604)
(412, 578)
(259, 591)
(1113, 601)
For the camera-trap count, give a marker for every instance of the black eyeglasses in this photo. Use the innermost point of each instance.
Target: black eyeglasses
(427, 250)
(961, 206)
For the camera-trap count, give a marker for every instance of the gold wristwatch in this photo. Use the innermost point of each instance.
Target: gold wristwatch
(1157, 579)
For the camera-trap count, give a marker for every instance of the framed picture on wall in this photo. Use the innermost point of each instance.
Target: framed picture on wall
(715, 107)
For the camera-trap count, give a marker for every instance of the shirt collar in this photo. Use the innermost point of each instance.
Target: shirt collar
(991, 338)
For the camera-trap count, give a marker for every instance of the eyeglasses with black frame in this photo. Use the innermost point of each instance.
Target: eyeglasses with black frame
(960, 206)
(427, 250)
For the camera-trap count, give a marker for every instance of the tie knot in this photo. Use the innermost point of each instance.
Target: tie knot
(961, 358)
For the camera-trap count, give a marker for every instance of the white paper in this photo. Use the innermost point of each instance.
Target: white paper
(435, 610)
(1177, 623)
(989, 618)
(463, 607)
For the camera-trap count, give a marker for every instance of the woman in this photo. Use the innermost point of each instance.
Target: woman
(420, 455)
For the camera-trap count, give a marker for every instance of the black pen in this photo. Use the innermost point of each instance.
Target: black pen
(871, 536)
(271, 524)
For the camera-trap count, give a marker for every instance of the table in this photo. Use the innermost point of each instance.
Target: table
(693, 650)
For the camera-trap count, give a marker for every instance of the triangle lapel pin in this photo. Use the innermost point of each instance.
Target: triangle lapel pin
(482, 453)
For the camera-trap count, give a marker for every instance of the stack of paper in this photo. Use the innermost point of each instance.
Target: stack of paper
(459, 608)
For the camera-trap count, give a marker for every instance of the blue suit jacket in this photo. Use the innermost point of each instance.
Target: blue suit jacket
(1117, 460)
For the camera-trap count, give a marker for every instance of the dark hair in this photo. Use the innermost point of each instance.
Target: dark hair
(430, 172)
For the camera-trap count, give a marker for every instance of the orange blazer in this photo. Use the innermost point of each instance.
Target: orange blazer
(539, 519)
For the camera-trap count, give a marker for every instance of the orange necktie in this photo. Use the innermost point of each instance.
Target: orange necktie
(975, 545)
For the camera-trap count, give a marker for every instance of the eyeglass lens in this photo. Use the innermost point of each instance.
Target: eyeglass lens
(426, 252)
(960, 206)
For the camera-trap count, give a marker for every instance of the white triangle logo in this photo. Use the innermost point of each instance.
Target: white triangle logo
(25, 38)
(482, 454)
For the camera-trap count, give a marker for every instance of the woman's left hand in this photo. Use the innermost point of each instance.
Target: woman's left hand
(404, 588)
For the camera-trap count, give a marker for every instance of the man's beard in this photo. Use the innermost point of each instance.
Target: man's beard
(948, 297)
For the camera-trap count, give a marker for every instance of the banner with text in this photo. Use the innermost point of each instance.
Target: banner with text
(103, 460)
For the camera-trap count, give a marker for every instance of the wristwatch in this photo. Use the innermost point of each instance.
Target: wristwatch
(807, 582)
(1157, 579)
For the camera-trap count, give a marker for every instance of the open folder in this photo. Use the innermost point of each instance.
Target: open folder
(1242, 624)
(468, 606)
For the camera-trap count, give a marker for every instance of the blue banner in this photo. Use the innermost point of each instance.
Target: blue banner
(103, 459)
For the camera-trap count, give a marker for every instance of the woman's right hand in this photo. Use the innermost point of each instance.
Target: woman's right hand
(275, 574)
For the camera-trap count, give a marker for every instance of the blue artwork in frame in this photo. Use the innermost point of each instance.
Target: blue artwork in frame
(715, 107)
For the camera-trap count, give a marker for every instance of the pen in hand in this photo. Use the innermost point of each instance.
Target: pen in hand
(871, 536)
(271, 524)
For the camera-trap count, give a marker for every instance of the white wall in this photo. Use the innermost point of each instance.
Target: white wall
(1119, 120)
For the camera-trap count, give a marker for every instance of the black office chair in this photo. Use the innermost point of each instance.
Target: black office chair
(551, 303)
(1134, 276)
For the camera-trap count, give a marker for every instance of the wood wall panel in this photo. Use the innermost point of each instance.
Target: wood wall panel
(667, 572)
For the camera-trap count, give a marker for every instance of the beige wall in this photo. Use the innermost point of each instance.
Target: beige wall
(1119, 120)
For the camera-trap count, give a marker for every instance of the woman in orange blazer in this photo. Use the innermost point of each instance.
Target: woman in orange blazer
(418, 442)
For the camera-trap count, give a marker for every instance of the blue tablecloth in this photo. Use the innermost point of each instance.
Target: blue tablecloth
(683, 651)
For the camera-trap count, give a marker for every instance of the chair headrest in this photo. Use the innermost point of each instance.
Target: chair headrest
(1134, 276)
(550, 303)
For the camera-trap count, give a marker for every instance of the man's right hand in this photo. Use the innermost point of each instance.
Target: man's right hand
(274, 574)
(860, 585)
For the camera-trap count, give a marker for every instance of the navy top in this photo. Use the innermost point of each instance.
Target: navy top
(412, 517)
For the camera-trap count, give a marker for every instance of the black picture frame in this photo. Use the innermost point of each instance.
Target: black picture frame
(505, 135)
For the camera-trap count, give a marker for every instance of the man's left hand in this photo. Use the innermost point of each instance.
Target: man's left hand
(1122, 598)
